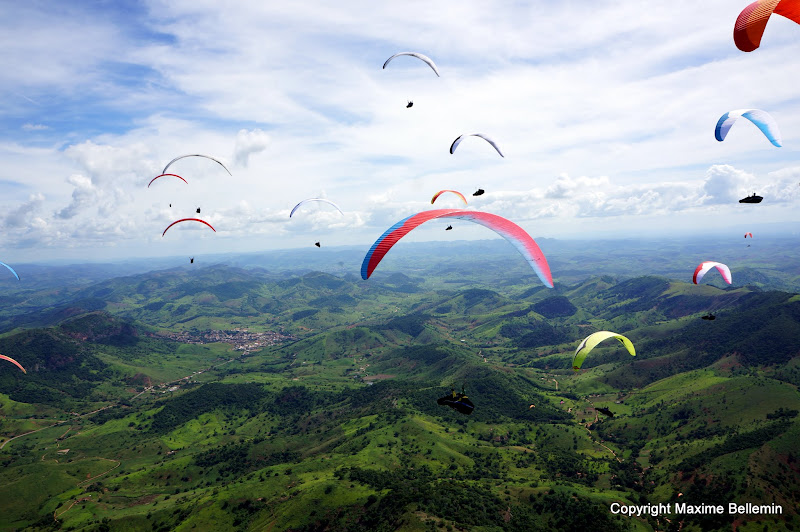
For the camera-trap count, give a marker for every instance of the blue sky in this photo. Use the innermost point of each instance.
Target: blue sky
(605, 114)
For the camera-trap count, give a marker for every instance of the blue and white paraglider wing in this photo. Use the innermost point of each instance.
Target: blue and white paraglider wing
(761, 119)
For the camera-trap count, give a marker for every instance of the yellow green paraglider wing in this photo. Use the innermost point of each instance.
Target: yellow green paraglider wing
(592, 340)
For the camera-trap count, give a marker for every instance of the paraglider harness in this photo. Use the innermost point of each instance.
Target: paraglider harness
(457, 401)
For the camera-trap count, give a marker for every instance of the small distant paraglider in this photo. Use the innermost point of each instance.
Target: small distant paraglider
(449, 228)
(705, 266)
(418, 55)
(187, 220)
(708, 317)
(752, 21)
(458, 140)
(317, 244)
(315, 199)
(478, 192)
(3, 357)
(410, 104)
(751, 199)
(195, 155)
(10, 269)
(604, 410)
(198, 210)
(162, 175)
(191, 261)
(457, 193)
(748, 234)
(761, 119)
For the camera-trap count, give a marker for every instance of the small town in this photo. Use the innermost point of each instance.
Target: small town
(240, 339)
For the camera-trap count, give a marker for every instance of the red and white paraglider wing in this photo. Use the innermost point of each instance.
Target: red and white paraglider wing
(705, 266)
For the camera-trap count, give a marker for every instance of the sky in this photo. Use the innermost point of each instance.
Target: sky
(605, 114)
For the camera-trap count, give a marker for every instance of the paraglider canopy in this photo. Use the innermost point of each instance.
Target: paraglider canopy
(456, 192)
(458, 140)
(315, 199)
(449, 228)
(762, 119)
(418, 55)
(317, 244)
(592, 340)
(162, 175)
(187, 220)
(3, 357)
(478, 192)
(604, 410)
(10, 269)
(195, 155)
(191, 261)
(705, 266)
(752, 21)
(513, 233)
(409, 104)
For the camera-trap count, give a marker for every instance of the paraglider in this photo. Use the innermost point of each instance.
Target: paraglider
(748, 234)
(425, 58)
(191, 261)
(505, 228)
(752, 21)
(315, 199)
(196, 155)
(409, 104)
(457, 401)
(604, 410)
(317, 244)
(162, 175)
(187, 220)
(751, 199)
(10, 269)
(708, 317)
(198, 210)
(592, 340)
(14, 362)
(457, 193)
(705, 266)
(478, 192)
(760, 118)
(449, 228)
(458, 140)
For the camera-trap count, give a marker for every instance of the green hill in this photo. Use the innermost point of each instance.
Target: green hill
(226, 398)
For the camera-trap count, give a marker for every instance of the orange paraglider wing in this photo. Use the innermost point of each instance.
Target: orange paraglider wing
(14, 362)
